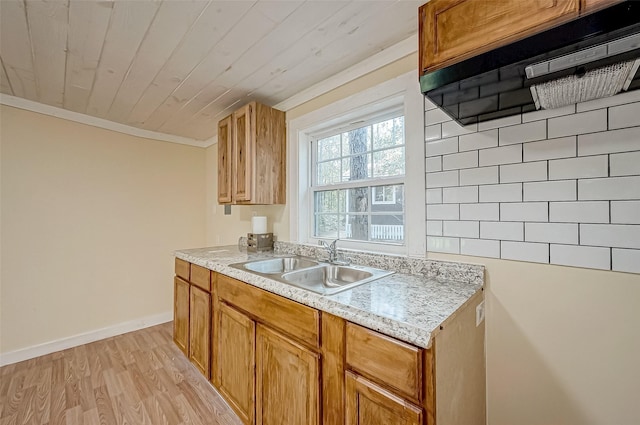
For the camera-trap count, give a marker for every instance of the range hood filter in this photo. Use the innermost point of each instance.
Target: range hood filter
(594, 84)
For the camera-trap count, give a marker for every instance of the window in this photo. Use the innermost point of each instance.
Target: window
(357, 182)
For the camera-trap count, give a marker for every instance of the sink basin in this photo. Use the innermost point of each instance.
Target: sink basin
(279, 265)
(322, 278)
(329, 279)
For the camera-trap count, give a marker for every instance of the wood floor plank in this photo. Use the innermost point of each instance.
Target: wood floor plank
(140, 378)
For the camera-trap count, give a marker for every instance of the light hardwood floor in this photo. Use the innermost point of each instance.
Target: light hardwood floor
(136, 378)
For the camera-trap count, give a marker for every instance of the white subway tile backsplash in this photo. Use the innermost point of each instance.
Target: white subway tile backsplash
(544, 114)
(443, 212)
(579, 212)
(562, 190)
(433, 163)
(465, 229)
(555, 186)
(585, 122)
(488, 212)
(529, 132)
(480, 248)
(442, 179)
(566, 233)
(482, 140)
(433, 132)
(625, 212)
(428, 104)
(502, 230)
(576, 168)
(524, 211)
(434, 228)
(624, 140)
(442, 244)
(612, 188)
(500, 122)
(605, 102)
(626, 260)
(435, 116)
(525, 251)
(625, 164)
(525, 172)
(501, 193)
(563, 147)
(502, 155)
(434, 196)
(452, 128)
(482, 175)
(442, 146)
(459, 195)
(613, 235)
(457, 161)
(624, 116)
(581, 256)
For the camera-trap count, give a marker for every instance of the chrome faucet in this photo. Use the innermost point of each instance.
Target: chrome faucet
(331, 249)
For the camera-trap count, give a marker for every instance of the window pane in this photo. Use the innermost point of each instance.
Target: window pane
(329, 148)
(327, 201)
(357, 199)
(388, 133)
(387, 228)
(356, 141)
(357, 227)
(388, 198)
(326, 225)
(389, 162)
(328, 172)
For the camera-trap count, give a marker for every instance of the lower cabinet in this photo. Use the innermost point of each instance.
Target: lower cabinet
(234, 352)
(287, 381)
(370, 404)
(200, 329)
(276, 361)
(181, 314)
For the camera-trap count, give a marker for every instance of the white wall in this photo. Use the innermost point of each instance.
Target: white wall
(89, 221)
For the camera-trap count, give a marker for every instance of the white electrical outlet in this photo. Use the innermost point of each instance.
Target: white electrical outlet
(480, 313)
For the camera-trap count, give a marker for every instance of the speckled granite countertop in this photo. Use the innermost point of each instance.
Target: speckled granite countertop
(409, 305)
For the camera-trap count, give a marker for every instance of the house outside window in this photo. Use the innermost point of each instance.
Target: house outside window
(357, 181)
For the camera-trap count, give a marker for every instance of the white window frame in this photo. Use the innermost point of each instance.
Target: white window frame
(384, 201)
(400, 92)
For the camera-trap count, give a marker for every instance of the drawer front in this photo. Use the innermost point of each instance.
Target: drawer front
(290, 317)
(386, 360)
(182, 269)
(201, 277)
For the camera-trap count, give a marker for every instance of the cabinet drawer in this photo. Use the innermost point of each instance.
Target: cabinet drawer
(201, 277)
(385, 360)
(295, 319)
(182, 269)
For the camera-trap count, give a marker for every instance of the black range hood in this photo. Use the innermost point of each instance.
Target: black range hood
(495, 84)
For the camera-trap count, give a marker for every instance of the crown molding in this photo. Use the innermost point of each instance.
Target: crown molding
(54, 111)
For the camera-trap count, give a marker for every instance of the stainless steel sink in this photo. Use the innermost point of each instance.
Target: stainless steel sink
(279, 265)
(322, 278)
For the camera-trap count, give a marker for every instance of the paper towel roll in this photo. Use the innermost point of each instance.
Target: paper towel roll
(259, 224)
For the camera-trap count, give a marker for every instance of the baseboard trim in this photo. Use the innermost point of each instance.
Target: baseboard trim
(83, 338)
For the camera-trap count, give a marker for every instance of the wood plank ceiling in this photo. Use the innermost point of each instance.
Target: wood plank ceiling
(179, 66)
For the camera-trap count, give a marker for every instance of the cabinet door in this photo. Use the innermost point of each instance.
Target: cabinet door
(200, 330)
(458, 29)
(181, 314)
(287, 381)
(244, 139)
(369, 404)
(225, 164)
(235, 360)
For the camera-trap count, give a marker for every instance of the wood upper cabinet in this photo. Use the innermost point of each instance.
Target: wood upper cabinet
(252, 156)
(454, 30)
(200, 330)
(181, 314)
(235, 360)
(370, 404)
(287, 381)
